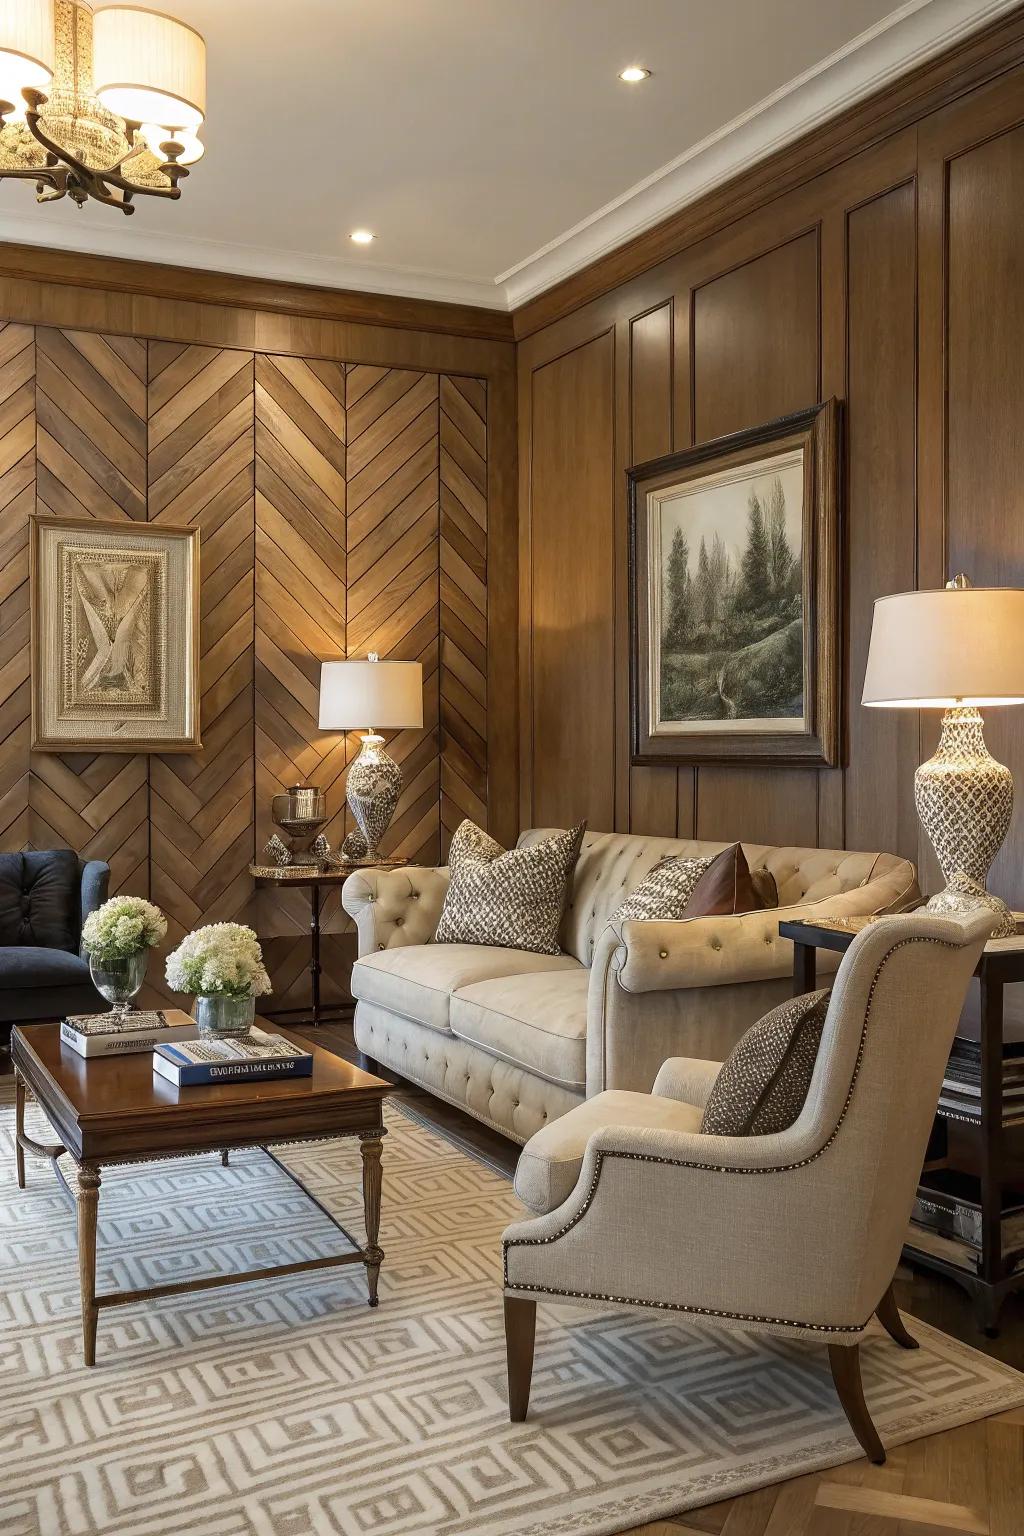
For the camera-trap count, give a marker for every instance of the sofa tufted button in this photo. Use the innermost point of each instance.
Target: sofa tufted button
(380, 946)
(663, 953)
(398, 922)
(415, 895)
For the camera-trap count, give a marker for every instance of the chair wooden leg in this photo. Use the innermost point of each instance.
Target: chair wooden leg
(888, 1315)
(520, 1331)
(845, 1362)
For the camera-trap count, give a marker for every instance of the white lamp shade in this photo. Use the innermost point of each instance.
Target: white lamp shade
(378, 695)
(149, 68)
(938, 649)
(27, 47)
(193, 148)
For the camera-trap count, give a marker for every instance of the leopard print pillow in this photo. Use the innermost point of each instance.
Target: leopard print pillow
(763, 1083)
(513, 898)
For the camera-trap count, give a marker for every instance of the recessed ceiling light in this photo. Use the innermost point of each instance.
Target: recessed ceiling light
(363, 236)
(634, 74)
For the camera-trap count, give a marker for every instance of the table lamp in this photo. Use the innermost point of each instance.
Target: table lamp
(956, 648)
(390, 694)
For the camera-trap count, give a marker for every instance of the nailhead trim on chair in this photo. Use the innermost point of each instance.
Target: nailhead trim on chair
(672, 1162)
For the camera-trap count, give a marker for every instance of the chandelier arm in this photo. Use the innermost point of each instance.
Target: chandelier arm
(96, 183)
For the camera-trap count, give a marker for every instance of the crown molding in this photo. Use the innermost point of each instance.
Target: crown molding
(262, 263)
(627, 236)
(908, 38)
(157, 280)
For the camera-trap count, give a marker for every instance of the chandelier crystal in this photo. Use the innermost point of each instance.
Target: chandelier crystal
(104, 107)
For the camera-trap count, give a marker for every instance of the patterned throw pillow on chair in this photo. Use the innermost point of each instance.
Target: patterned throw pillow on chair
(513, 898)
(763, 1083)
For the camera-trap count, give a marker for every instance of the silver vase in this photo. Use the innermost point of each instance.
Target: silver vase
(224, 1018)
(372, 789)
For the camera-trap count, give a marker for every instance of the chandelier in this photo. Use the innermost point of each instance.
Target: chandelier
(103, 106)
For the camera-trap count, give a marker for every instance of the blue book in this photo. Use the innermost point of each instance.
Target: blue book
(254, 1057)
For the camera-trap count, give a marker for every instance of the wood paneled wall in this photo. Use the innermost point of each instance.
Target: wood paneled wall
(892, 280)
(344, 505)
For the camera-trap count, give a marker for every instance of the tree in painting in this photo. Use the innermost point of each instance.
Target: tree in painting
(732, 622)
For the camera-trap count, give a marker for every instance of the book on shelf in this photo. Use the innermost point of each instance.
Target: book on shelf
(104, 1034)
(948, 1203)
(250, 1058)
(954, 1108)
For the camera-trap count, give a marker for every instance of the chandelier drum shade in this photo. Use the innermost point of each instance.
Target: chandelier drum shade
(103, 106)
(27, 47)
(149, 68)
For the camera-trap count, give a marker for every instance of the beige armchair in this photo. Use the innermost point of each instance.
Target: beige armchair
(797, 1233)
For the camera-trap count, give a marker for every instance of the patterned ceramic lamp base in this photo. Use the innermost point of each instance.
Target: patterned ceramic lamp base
(965, 799)
(372, 790)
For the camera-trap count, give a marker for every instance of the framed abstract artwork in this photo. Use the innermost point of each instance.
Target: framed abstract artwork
(735, 591)
(115, 636)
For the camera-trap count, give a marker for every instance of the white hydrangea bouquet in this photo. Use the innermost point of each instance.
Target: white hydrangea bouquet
(122, 926)
(221, 960)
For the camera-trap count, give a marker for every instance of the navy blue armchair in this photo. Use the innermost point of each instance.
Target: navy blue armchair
(45, 898)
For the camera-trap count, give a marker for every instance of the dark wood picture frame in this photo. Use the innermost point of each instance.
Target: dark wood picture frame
(817, 431)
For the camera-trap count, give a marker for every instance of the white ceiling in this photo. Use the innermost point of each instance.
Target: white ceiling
(488, 143)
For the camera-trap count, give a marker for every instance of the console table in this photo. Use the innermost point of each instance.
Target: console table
(316, 878)
(1002, 962)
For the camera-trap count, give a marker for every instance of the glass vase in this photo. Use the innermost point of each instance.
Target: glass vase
(224, 1018)
(118, 979)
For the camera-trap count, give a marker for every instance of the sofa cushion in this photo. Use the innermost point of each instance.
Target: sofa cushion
(764, 1080)
(417, 980)
(513, 897)
(40, 897)
(549, 1165)
(537, 1021)
(40, 983)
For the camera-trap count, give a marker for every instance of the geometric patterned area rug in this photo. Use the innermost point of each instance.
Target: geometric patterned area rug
(289, 1408)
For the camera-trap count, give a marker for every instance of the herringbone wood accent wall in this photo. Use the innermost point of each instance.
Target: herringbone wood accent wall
(393, 572)
(90, 407)
(201, 473)
(342, 509)
(300, 619)
(17, 499)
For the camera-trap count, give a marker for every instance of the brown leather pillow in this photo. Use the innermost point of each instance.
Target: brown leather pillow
(725, 888)
(764, 884)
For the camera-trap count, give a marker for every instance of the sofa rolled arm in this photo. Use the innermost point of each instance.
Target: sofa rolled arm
(394, 907)
(95, 881)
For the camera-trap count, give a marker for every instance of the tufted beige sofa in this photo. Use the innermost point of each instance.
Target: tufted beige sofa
(518, 1039)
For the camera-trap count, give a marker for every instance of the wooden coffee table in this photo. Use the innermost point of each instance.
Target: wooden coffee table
(115, 1109)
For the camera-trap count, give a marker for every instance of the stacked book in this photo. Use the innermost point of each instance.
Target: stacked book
(960, 1098)
(946, 1220)
(252, 1057)
(105, 1034)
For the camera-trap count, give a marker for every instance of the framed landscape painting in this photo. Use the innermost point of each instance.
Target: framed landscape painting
(735, 597)
(115, 636)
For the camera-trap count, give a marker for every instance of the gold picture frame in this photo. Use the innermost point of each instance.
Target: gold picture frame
(115, 636)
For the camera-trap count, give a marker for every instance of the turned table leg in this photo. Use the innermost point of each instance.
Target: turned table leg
(19, 1127)
(88, 1198)
(370, 1147)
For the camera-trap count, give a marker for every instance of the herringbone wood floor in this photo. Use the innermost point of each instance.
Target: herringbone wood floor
(968, 1480)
